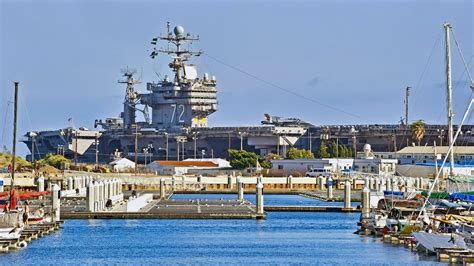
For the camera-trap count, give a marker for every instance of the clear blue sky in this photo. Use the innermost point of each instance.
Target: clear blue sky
(357, 56)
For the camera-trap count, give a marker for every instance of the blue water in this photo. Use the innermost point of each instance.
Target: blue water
(277, 200)
(283, 238)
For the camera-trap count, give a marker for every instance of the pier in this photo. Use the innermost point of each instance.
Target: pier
(29, 234)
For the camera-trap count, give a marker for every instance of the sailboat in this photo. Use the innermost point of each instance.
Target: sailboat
(455, 237)
(11, 220)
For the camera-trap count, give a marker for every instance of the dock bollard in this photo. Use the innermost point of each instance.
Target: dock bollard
(394, 184)
(259, 198)
(329, 188)
(347, 194)
(55, 203)
(240, 187)
(229, 182)
(40, 185)
(365, 203)
(289, 182)
(388, 184)
(162, 189)
(90, 196)
(69, 183)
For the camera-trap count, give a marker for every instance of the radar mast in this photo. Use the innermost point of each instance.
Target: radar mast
(179, 54)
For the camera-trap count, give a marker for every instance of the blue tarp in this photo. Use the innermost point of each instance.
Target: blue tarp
(393, 193)
(461, 196)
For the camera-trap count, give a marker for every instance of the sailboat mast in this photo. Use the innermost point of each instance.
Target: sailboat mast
(449, 90)
(15, 110)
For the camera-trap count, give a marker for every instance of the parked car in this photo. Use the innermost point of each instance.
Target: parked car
(318, 172)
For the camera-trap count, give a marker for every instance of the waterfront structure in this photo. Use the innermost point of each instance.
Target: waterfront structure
(463, 155)
(181, 167)
(341, 165)
(122, 165)
(375, 166)
(303, 165)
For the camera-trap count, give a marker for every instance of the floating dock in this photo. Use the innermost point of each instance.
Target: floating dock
(178, 209)
(29, 234)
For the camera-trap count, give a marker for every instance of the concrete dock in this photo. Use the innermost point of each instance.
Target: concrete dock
(29, 234)
(179, 209)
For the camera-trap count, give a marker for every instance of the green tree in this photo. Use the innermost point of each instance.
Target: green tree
(418, 131)
(323, 151)
(334, 150)
(273, 156)
(350, 152)
(342, 152)
(57, 161)
(294, 153)
(243, 159)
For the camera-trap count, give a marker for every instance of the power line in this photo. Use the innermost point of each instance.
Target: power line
(283, 89)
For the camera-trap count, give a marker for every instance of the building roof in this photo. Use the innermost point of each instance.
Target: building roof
(218, 161)
(121, 161)
(439, 150)
(187, 163)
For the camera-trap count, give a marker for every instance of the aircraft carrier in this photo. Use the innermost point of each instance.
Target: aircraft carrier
(178, 127)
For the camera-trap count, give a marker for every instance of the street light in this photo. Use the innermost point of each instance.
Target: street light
(195, 140)
(166, 136)
(75, 135)
(440, 136)
(241, 140)
(354, 141)
(33, 135)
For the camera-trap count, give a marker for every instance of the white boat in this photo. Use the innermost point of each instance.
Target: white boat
(11, 225)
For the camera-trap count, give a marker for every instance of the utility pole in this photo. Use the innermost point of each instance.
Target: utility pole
(15, 111)
(75, 147)
(278, 144)
(33, 139)
(136, 149)
(449, 91)
(435, 158)
(354, 145)
(177, 149)
(310, 141)
(195, 151)
(407, 95)
(96, 152)
(182, 150)
(166, 136)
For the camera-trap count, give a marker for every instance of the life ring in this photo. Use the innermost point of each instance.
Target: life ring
(395, 213)
(22, 244)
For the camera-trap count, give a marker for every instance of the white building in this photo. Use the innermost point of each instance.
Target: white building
(183, 167)
(421, 161)
(463, 155)
(122, 165)
(375, 166)
(218, 161)
(303, 165)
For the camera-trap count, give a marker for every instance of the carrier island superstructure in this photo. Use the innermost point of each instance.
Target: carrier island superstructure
(178, 128)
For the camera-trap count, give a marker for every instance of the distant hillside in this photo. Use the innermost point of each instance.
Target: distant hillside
(6, 159)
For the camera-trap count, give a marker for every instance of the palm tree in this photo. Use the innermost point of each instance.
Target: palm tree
(418, 131)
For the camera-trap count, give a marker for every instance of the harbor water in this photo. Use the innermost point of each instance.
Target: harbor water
(283, 238)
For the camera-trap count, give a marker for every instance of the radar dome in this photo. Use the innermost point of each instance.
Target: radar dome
(367, 147)
(178, 30)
